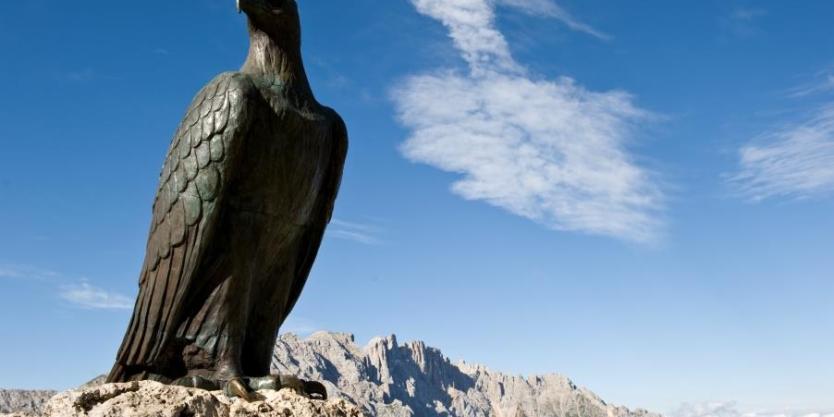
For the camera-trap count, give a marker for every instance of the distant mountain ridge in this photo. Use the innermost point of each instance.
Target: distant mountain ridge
(388, 379)
(412, 379)
(22, 401)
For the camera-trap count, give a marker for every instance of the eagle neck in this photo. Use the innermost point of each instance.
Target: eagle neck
(279, 64)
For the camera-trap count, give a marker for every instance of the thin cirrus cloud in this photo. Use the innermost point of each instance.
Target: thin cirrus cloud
(87, 296)
(549, 150)
(300, 326)
(549, 9)
(80, 294)
(823, 83)
(25, 272)
(795, 160)
(744, 22)
(730, 409)
(366, 234)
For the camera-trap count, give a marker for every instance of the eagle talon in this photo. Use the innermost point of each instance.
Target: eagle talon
(247, 388)
(272, 383)
(237, 388)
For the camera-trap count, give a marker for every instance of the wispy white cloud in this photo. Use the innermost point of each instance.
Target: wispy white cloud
(548, 150)
(471, 27)
(548, 8)
(748, 14)
(795, 160)
(300, 326)
(823, 82)
(358, 232)
(16, 271)
(744, 21)
(82, 75)
(707, 409)
(87, 296)
(81, 294)
(731, 409)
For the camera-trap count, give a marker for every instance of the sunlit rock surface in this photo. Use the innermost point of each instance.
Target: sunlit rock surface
(387, 378)
(23, 401)
(151, 399)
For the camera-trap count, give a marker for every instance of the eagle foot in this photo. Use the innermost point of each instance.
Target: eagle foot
(238, 388)
(247, 388)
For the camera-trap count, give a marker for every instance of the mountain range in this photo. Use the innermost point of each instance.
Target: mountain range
(389, 379)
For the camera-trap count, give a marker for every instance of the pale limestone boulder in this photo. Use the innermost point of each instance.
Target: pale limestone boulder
(151, 399)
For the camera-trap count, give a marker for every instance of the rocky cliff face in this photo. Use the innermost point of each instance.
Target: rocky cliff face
(391, 379)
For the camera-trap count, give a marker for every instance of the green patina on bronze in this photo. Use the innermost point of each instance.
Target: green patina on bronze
(245, 195)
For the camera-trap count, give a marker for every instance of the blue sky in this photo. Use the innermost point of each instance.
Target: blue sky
(637, 196)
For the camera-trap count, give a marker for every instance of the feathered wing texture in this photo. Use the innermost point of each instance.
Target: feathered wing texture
(198, 167)
(327, 198)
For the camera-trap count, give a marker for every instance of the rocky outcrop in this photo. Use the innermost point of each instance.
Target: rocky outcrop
(390, 379)
(23, 401)
(152, 399)
(387, 378)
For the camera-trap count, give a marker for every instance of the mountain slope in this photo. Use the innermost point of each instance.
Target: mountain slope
(23, 401)
(389, 379)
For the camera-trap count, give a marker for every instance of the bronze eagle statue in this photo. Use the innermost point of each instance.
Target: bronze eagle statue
(245, 194)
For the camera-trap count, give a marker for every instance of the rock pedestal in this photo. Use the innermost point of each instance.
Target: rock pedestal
(151, 399)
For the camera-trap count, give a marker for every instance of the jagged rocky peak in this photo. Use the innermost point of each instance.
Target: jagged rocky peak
(23, 401)
(389, 379)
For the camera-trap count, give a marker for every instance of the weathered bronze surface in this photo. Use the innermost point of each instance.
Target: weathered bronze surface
(245, 194)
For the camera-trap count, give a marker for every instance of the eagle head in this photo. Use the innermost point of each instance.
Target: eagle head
(277, 18)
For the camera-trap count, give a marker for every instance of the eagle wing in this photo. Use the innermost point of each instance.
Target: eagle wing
(199, 165)
(325, 205)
